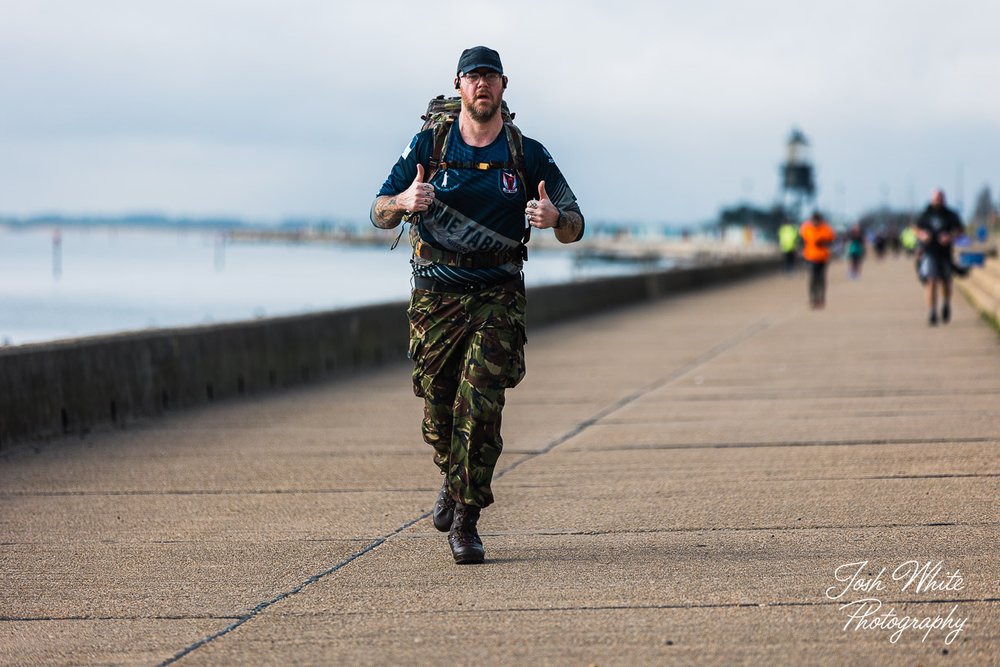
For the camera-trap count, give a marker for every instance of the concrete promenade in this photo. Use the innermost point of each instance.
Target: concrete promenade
(682, 483)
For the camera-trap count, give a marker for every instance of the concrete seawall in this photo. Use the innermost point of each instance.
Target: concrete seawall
(71, 387)
(982, 289)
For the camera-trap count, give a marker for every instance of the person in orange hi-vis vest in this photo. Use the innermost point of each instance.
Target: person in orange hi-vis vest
(817, 237)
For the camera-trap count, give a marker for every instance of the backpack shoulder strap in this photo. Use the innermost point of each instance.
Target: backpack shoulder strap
(515, 143)
(442, 132)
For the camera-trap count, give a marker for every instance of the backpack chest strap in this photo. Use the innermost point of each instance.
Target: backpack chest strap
(477, 165)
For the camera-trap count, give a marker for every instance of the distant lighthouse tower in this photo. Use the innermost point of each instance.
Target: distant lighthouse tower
(798, 189)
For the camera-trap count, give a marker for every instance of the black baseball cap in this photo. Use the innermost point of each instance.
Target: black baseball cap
(479, 56)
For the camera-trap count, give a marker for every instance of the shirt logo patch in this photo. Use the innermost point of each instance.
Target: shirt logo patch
(508, 182)
(446, 181)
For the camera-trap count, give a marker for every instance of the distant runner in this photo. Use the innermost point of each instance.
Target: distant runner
(788, 239)
(855, 251)
(937, 228)
(817, 237)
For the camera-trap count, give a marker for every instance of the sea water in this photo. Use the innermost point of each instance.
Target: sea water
(82, 281)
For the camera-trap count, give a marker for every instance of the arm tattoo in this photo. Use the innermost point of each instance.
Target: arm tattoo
(384, 212)
(572, 229)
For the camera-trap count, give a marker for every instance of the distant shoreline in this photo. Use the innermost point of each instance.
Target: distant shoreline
(603, 241)
(153, 222)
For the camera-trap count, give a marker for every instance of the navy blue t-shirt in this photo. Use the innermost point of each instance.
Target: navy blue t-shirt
(476, 210)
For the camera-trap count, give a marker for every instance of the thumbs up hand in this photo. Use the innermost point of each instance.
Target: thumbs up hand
(541, 212)
(419, 196)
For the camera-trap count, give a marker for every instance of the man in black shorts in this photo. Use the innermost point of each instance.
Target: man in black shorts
(937, 228)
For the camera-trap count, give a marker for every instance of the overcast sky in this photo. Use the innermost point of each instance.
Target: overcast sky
(655, 111)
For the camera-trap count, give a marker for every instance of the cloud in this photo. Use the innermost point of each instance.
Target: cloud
(655, 111)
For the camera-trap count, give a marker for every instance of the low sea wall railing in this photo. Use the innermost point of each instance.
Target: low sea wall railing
(73, 386)
(982, 288)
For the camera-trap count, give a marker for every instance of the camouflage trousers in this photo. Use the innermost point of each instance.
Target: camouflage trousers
(467, 349)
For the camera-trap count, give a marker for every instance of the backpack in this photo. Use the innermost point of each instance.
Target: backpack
(442, 112)
(441, 115)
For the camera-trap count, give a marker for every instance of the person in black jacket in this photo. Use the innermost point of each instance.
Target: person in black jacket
(937, 228)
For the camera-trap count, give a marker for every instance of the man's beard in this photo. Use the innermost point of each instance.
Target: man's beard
(484, 113)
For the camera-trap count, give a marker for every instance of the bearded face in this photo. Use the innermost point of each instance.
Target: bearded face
(481, 100)
(483, 110)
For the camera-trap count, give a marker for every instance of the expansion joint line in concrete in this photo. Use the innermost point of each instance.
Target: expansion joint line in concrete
(742, 529)
(703, 605)
(294, 591)
(4, 495)
(799, 443)
(88, 619)
(679, 372)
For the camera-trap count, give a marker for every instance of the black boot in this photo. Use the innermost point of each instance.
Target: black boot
(466, 547)
(444, 509)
